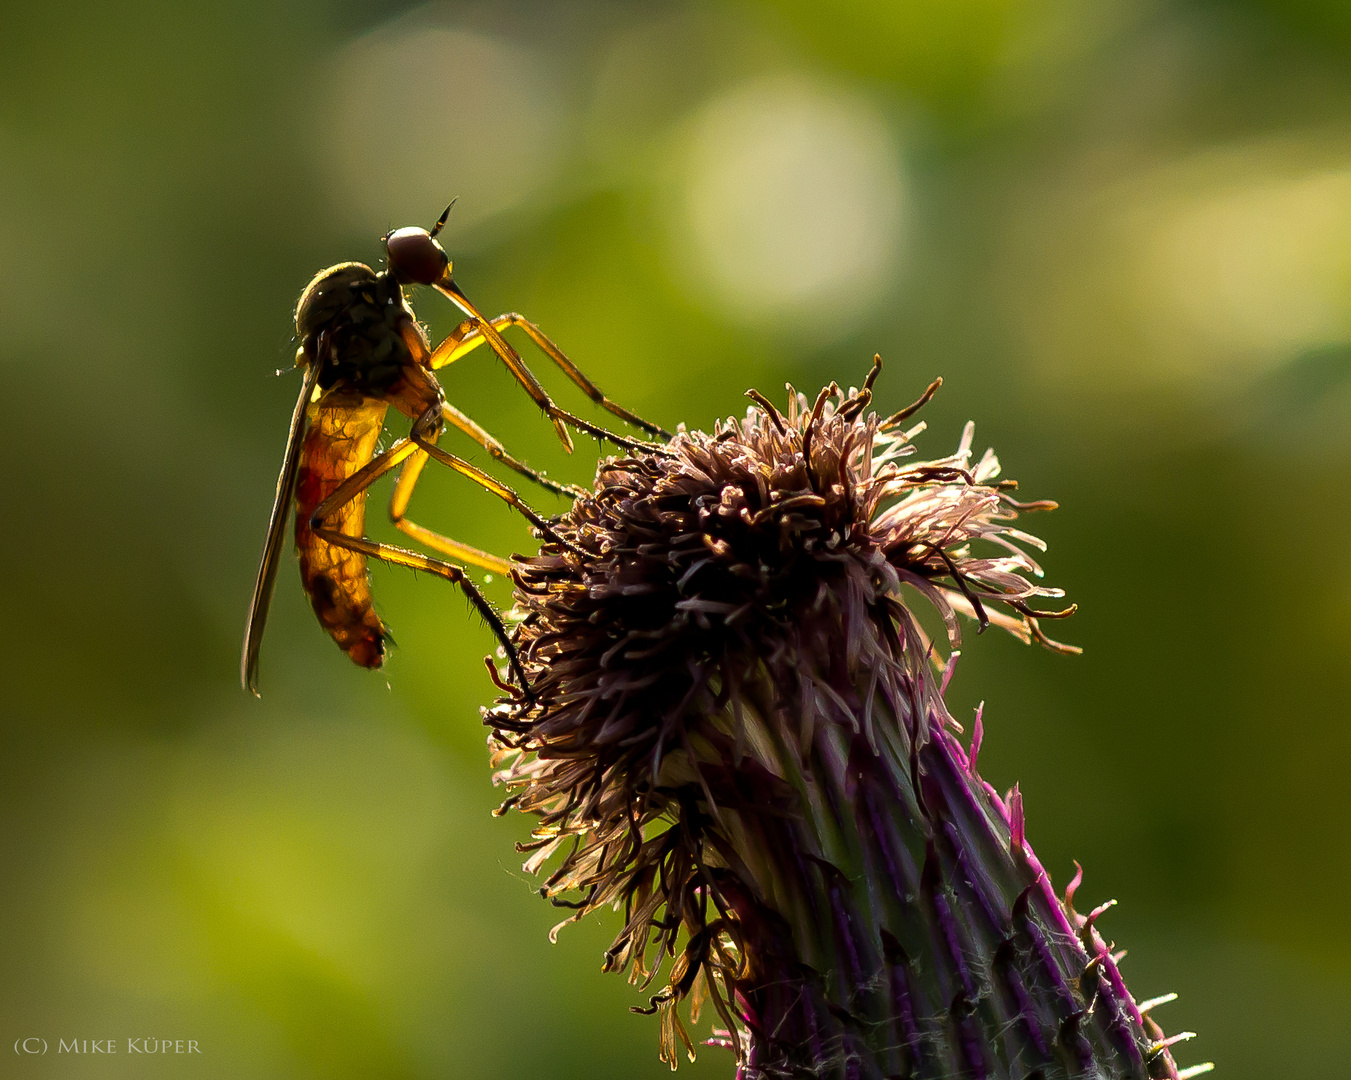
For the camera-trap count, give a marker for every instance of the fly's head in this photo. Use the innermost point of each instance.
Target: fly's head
(415, 256)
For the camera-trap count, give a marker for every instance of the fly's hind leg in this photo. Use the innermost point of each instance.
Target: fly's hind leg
(415, 450)
(398, 511)
(357, 483)
(424, 434)
(403, 451)
(449, 571)
(413, 453)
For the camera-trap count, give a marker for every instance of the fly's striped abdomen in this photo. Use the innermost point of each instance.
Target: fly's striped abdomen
(341, 439)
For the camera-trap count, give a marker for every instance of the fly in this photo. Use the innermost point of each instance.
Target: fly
(363, 351)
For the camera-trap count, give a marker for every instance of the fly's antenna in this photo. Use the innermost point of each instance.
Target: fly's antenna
(440, 222)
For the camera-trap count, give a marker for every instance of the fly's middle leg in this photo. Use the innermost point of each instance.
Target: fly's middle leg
(499, 453)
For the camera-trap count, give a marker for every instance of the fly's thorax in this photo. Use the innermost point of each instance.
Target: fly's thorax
(360, 315)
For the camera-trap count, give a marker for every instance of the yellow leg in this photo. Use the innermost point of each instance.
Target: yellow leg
(423, 358)
(426, 442)
(398, 506)
(505, 353)
(449, 571)
(499, 453)
(414, 451)
(419, 444)
(561, 418)
(468, 336)
(359, 481)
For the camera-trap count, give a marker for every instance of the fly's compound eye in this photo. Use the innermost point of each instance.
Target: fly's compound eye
(415, 256)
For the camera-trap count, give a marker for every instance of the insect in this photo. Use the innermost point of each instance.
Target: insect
(363, 351)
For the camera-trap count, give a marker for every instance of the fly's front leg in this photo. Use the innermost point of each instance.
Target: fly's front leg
(562, 419)
(426, 361)
(505, 353)
(468, 336)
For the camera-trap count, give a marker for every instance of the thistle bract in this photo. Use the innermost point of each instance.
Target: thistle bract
(736, 735)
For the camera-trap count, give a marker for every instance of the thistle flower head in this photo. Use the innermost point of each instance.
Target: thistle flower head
(736, 735)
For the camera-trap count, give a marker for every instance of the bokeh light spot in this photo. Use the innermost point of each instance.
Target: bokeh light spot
(1264, 266)
(793, 206)
(415, 114)
(1203, 273)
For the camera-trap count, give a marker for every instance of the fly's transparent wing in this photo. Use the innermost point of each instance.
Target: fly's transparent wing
(276, 535)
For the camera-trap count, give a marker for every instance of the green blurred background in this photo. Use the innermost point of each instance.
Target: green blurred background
(1121, 230)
